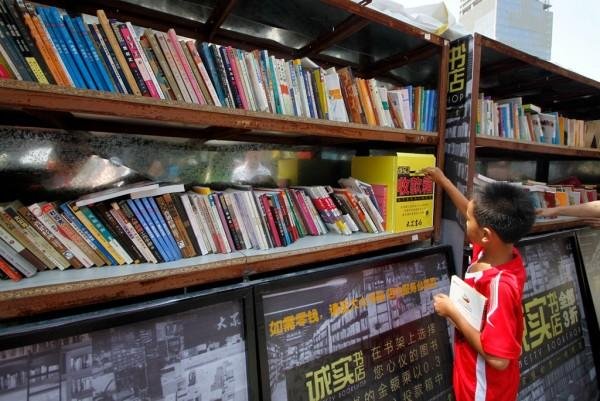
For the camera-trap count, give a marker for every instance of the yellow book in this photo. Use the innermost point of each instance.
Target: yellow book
(562, 198)
(321, 92)
(365, 99)
(410, 194)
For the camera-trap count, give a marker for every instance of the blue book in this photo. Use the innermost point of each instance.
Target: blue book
(87, 63)
(62, 28)
(144, 205)
(434, 110)
(70, 216)
(105, 81)
(274, 81)
(140, 213)
(309, 95)
(61, 47)
(209, 63)
(165, 227)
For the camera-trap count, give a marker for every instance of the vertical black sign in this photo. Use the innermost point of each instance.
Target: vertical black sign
(589, 245)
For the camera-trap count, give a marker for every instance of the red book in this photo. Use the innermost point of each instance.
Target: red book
(264, 201)
(238, 78)
(10, 271)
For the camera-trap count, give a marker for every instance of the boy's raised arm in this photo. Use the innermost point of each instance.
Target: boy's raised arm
(459, 200)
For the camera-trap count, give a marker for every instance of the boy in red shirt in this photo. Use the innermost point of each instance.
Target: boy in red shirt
(486, 363)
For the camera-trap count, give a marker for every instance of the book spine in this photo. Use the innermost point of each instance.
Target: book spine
(195, 73)
(169, 218)
(153, 84)
(31, 252)
(183, 67)
(264, 201)
(156, 69)
(222, 72)
(102, 213)
(161, 226)
(77, 244)
(104, 78)
(53, 259)
(10, 271)
(164, 66)
(15, 259)
(86, 63)
(139, 228)
(233, 85)
(161, 38)
(196, 227)
(212, 210)
(246, 225)
(140, 212)
(131, 65)
(203, 73)
(119, 253)
(131, 233)
(13, 53)
(36, 60)
(87, 235)
(304, 213)
(228, 217)
(119, 76)
(279, 220)
(199, 209)
(231, 56)
(264, 220)
(117, 50)
(64, 28)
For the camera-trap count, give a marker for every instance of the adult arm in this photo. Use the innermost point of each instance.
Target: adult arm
(589, 209)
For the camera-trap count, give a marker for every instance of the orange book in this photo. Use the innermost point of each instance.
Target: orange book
(43, 44)
(365, 100)
(350, 94)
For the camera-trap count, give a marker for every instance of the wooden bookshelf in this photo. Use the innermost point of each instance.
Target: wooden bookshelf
(557, 224)
(55, 290)
(501, 71)
(332, 33)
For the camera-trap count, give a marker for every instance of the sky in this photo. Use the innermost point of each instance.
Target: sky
(575, 43)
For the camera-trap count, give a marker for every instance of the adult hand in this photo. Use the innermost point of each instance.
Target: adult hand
(546, 212)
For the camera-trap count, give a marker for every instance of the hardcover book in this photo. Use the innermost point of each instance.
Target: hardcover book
(469, 302)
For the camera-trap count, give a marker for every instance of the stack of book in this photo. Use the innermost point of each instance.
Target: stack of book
(152, 222)
(511, 119)
(544, 195)
(46, 45)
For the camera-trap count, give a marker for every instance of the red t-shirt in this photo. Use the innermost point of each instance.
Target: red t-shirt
(501, 335)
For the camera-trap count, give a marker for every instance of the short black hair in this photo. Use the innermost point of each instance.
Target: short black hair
(505, 208)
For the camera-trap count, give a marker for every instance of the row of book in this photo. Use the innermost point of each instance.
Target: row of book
(153, 223)
(47, 45)
(545, 196)
(511, 119)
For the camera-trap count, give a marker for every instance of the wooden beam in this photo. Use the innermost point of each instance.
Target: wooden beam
(398, 60)
(344, 29)
(219, 14)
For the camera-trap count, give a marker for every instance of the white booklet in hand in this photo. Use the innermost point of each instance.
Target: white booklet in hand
(468, 300)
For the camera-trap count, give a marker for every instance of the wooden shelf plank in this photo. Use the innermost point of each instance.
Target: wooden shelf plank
(537, 148)
(104, 105)
(55, 290)
(559, 223)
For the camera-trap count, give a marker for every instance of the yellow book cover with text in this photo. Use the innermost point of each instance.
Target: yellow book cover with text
(410, 194)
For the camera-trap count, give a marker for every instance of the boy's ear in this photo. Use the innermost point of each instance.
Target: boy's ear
(487, 235)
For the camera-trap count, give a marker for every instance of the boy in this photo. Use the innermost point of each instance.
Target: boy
(486, 363)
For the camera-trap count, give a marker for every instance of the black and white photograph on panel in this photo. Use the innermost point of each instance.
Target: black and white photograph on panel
(557, 361)
(357, 331)
(589, 245)
(193, 355)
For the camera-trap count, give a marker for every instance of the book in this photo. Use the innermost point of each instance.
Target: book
(161, 189)
(409, 191)
(469, 302)
(112, 193)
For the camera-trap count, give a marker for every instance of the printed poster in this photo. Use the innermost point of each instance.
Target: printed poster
(368, 334)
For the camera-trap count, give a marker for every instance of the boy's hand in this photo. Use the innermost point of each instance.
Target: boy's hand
(435, 173)
(442, 305)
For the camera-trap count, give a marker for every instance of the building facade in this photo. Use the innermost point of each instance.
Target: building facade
(523, 24)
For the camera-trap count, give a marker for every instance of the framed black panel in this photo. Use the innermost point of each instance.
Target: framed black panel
(589, 247)
(364, 329)
(199, 346)
(558, 357)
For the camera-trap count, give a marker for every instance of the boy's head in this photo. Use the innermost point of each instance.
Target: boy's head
(504, 209)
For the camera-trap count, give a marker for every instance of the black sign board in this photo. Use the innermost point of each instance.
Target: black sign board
(198, 346)
(589, 246)
(557, 361)
(357, 331)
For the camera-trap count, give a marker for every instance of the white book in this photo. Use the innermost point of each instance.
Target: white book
(194, 222)
(335, 101)
(469, 302)
(163, 188)
(112, 193)
(262, 103)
